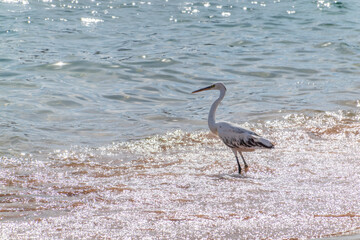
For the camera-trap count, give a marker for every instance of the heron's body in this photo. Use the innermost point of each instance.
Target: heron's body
(237, 138)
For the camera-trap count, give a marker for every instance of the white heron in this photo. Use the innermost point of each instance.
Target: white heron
(237, 138)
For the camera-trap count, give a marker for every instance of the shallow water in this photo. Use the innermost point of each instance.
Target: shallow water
(101, 138)
(184, 185)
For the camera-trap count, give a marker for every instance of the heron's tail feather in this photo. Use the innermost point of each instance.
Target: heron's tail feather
(262, 142)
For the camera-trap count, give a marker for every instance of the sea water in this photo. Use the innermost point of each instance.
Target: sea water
(101, 138)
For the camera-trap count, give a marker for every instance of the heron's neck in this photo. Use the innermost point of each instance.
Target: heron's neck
(211, 119)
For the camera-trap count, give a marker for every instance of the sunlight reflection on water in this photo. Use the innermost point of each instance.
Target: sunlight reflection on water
(76, 76)
(184, 185)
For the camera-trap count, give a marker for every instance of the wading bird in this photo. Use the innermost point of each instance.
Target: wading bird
(238, 139)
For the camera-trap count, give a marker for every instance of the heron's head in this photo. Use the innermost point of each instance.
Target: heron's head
(216, 86)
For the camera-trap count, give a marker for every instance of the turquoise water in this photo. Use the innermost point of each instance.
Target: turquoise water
(93, 72)
(96, 112)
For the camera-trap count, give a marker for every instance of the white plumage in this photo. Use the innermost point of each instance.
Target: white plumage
(237, 138)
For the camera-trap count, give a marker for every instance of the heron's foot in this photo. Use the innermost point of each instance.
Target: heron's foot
(246, 168)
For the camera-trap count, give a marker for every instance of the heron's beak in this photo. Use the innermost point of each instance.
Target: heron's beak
(204, 89)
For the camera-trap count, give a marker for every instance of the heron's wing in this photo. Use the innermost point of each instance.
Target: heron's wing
(236, 137)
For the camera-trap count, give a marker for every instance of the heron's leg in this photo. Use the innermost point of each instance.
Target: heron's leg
(237, 160)
(246, 166)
